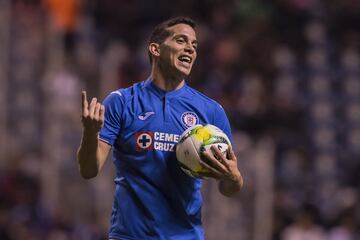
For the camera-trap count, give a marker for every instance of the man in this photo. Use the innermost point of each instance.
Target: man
(153, 198)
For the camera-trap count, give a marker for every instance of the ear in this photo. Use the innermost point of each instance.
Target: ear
(154, 49)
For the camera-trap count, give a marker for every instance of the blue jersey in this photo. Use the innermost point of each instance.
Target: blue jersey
(154, 198)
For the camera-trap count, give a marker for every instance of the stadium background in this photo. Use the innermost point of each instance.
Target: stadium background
(286, 71)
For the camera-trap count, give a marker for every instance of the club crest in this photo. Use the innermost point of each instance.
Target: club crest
(189, 119)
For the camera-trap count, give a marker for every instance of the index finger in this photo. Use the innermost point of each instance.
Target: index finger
(212, 163)
(84, 102)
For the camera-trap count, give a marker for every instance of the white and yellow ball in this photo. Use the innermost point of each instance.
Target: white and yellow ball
(193, 142)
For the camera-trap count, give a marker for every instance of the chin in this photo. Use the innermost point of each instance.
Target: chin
(184, 72)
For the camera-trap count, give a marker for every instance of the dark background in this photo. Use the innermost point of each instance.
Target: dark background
(287, 72)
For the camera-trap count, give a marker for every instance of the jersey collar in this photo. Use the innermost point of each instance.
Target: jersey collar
(162, 93)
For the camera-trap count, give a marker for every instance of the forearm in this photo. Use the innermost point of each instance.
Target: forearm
(230, 187)
(88, 155)
(92, 153)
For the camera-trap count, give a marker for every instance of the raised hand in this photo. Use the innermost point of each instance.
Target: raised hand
(92, 116)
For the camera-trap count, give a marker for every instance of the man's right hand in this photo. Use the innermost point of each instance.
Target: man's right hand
(92, 116)
(92, 152)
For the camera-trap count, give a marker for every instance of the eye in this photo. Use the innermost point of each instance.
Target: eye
(195, 47)
(180, 40)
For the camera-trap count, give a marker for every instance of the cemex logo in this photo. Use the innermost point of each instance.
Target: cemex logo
(156, 140)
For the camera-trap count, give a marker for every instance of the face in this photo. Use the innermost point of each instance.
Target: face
(178, 51)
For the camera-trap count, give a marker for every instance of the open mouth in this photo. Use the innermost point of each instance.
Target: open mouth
(185, 59)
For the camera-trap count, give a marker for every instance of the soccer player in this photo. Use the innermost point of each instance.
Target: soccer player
(154, 198)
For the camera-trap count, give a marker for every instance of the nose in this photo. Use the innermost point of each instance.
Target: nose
(189, 48)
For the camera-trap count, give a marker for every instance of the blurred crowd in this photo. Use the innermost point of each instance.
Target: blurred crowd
(284, 70)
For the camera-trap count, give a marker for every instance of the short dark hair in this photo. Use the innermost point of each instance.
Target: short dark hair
(160, 32)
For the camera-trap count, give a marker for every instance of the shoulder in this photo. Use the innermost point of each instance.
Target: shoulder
(200, 97)
(123, 95)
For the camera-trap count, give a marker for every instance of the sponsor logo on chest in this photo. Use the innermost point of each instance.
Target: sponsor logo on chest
(161, 141)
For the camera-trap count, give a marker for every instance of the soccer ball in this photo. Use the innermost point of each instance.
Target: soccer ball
(196, 140)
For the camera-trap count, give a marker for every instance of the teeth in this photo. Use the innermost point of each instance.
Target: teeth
(185, 58)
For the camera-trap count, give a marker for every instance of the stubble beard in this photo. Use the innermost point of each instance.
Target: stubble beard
(171, 72)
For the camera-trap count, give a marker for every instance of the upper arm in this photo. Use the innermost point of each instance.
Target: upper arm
(114, 104)
(112, 125)
(103, 152)
(222, 121)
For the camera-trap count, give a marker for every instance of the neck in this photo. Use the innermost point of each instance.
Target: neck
(166, 81)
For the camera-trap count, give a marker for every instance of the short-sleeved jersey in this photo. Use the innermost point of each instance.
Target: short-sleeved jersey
(154, 198)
